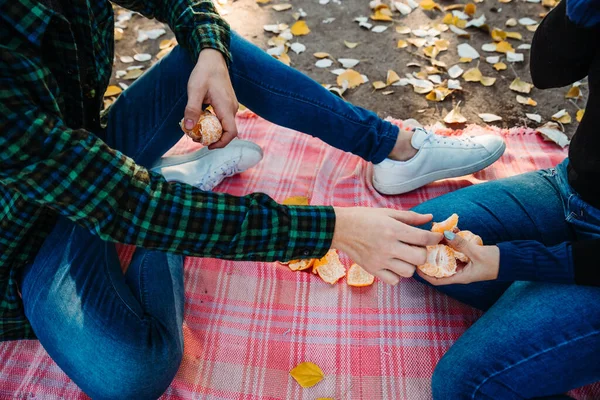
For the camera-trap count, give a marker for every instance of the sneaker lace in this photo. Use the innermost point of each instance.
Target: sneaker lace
(216, 176)
(458, 141)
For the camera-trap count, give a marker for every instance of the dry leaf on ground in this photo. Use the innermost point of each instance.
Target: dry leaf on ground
(307, 374)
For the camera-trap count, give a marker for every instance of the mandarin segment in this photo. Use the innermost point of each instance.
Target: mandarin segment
(358, 277)
(447, 225)
(441, 261)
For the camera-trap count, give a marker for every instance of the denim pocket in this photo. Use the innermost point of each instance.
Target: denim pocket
(584, 218)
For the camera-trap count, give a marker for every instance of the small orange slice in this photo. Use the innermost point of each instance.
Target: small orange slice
(358, 277)
(447, 225)
(299, 265)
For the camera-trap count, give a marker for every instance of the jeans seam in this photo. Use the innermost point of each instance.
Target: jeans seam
(302, 99)
(530, 358)
(122, 301)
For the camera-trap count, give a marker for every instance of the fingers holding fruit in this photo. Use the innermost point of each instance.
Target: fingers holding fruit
(208, 129)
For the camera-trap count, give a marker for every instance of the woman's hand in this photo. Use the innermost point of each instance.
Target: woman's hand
(484, 264)
(209, 83)
(382, 241)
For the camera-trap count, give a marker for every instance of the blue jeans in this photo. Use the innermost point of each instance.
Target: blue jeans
(535, 340)
(120, 336)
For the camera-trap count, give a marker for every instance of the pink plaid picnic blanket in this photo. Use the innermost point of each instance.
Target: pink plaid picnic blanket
(248, 324)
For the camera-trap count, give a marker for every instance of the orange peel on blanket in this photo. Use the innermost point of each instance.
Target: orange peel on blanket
(442, 260)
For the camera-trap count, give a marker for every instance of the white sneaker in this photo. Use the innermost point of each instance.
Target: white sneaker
(206, 168)
(438, 157)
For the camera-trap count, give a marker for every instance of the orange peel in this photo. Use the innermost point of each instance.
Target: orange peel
(358, 277)
(300, 265)
(329, 268)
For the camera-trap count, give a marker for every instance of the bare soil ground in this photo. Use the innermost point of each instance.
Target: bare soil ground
(377, 53)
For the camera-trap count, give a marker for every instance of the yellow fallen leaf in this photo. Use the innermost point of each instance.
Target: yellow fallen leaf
(133, 74)
(562, 116)
(528, 101)
(322, 55)
(164, 44)
(353, 78)
(438, 94)
(350, 45)
(465, 60)
(417, 42)
(505, 1)
(379, 85)
(403, 30)
(307, 374)
(504, 47)
(392, 77)
(449, 18)
(573, 93)
(296, 201)
(300, 28)
(387, 92)
(549, 3)
(470, 9)
(514, 35)
(454, 116)
(163, 52)
(460, 23)
(118, 34)
(431, 51)
(432, 70)
(422, 75)
(112, 91)
(442, 44)
(284, 58)
(263, 1)
(579, 115)
(402, 44)
(532, 28)
(498, 35)
(487, 80)
(452, 7)
(520, 86)
(473, 75)
(429, 5)
(282, 7)
(379, 16)
(500, 66)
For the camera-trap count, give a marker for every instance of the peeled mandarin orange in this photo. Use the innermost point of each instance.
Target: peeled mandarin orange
(207, 130)
(441, 261)
(358, 277)
(447, 225)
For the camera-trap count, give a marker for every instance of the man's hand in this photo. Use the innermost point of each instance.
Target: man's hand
(484, 264)
(382, 241)
(209, 83)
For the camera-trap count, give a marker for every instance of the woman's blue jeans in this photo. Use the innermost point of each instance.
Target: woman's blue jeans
(120, 336)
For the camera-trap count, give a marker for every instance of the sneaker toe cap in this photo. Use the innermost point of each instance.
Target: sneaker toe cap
(492, 143)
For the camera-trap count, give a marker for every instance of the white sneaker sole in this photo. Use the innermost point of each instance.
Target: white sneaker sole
(423, 180)
(203, 152)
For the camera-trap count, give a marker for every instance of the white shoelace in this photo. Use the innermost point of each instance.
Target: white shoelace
(209, 181)
(461, 141)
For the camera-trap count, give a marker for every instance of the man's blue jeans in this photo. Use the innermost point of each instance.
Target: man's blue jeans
(121, 336)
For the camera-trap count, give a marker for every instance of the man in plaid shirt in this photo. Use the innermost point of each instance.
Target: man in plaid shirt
(73, 184)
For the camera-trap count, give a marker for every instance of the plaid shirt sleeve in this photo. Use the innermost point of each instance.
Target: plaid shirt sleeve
(76, 174)
(196, 23)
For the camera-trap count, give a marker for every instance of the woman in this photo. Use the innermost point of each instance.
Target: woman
(540, 336)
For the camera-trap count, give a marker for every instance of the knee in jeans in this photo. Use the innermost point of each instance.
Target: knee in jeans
(146, 377)
(451, 380)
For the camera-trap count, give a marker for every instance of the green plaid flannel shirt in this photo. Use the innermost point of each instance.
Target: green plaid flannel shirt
(52, 164)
